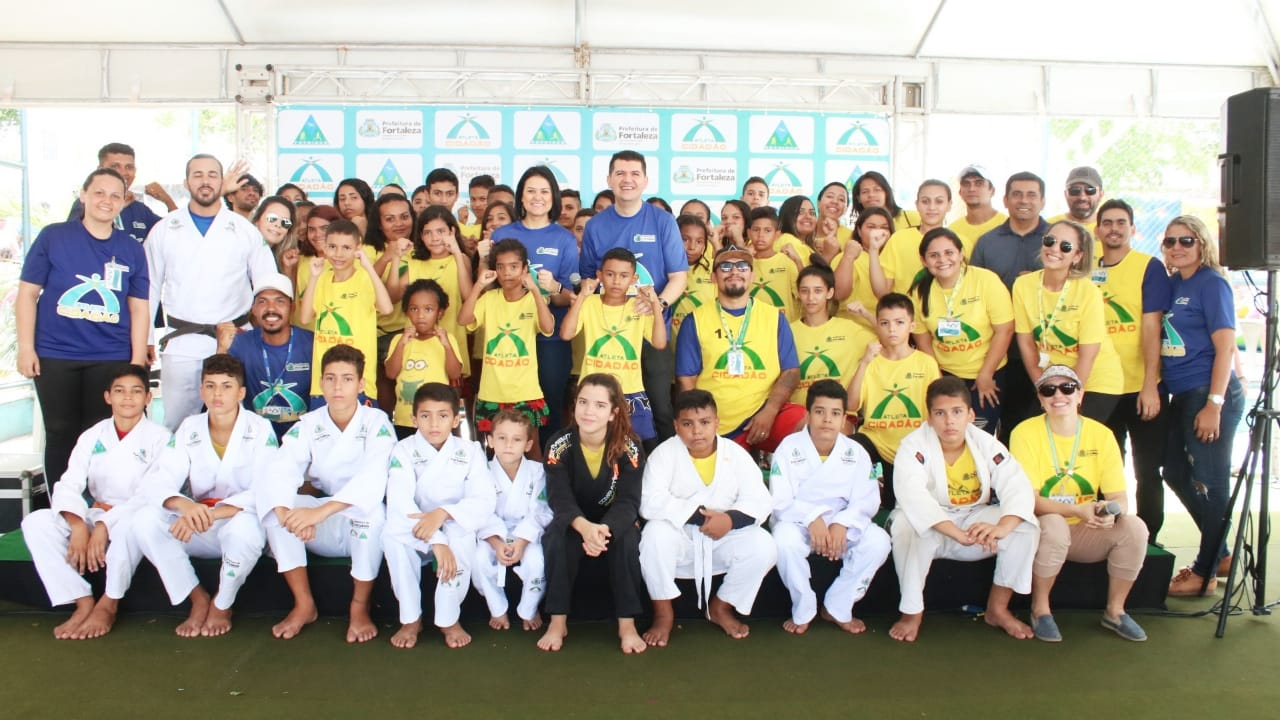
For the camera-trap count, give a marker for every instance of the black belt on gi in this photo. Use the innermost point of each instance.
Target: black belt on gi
(185, 327)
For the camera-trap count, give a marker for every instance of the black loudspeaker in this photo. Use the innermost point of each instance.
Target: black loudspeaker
(1249, 216)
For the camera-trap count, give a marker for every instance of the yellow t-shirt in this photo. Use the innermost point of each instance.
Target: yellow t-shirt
(829, 351)
(785, 239)
(593, 458)
(970, 233)
(1098, 467)
(901, 258)
(963, 485)
(892, 399)
(862, 290)
(1121, 286)
(699, 290)
(1060, 322)
(613, 337)
(218, 450)
(424, 362)
(508, 335)
(775, 283)
(738, 397)
(706, 468)
(444, 271)
(979, 301)
(304, 279)
(469, 230)
(346, 315)
(906, 219)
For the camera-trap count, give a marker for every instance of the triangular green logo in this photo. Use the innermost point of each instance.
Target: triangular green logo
(389, 175)
(781, 138)
(311, 134)
(548, 133)
(384, 432)
(98, 448)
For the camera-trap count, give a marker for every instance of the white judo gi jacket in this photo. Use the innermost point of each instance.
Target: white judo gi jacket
(111, 470)
(190, 467)
(522, 510)
(839, 490)
(455, 478)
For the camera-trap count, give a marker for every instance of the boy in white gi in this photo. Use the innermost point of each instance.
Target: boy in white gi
(343, 449)
(438, 496)
(948, 475)
(200, 499)
(704, 501)
(74, 536)
(513, 537)
(824, 500)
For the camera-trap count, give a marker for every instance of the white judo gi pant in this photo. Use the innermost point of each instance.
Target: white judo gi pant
(48, 535)
(340, 535)
(914, 554)
(407, 554)
(858, 567)
(181, 364)
(744, 556)
(489, 577)
(237, 541)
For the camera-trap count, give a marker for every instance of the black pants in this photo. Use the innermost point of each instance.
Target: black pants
(658, 368)
(562, 548)
(1017, 395)
(888, 500)
(1148, 438)
(70, 393)
(1099, 406)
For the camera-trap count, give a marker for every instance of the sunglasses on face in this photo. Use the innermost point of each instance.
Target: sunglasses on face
(1068, 389)
(729, 266)
(1086, 190)
(1065, 245)
(1185, 241)
(274, 219)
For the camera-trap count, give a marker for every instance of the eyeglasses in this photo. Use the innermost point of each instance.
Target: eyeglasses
(274, 219)
(729, 266)
(1185, 241)
(1065, 245)
(1068, 389)
(1077, 190)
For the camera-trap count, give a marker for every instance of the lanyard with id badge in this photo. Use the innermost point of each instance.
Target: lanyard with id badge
(113, 275)
(1046, 321)
(1054, 489)
(949, 326)
(736, 365)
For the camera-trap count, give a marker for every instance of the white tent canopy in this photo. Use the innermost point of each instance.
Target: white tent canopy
(1179, 58)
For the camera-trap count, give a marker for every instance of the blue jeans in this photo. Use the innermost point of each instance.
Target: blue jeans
(1200, 473)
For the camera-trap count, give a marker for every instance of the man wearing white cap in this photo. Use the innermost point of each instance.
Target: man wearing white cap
(276, 355)
(976, 190)
(1083, 194)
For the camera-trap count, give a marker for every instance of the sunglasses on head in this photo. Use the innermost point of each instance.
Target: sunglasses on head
(1068, 389)
(274, 219)
(1078, 190)
(1185, 241)
(731, 265)
(1065, 245)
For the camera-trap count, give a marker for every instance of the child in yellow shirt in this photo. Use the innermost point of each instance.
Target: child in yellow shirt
(776, 271)
(425, 352)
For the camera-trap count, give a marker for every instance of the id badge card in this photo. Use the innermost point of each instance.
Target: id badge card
(1099, 276)
(113, 275)
(1064, 499)
(948, 328)
(737, 363)
(1044, 360)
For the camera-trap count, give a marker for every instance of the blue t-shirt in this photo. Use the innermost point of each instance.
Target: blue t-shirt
(135, 219)
(83, 313)
(651, 234)
(1155, 287)
(277, 386)
(551, 248)
(1201, 304)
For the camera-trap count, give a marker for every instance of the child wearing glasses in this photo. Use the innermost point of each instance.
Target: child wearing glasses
(1076, 470)
(1059, 318)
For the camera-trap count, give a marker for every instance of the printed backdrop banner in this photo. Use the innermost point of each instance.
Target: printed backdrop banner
(707, 155)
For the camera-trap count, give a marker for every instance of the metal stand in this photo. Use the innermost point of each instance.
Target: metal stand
(1261, 421)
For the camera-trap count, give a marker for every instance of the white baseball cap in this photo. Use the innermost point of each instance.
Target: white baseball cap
(275, 281)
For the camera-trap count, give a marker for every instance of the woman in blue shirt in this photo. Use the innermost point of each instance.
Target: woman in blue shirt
(1197, 348)
(81, 313)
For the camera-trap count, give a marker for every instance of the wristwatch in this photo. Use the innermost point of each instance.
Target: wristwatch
(663, 302)
(1217, 399)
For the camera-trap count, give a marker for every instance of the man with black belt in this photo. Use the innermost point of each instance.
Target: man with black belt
(204, 260)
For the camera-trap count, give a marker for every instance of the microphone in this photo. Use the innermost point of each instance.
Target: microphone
(1111, 508)
(575, 279)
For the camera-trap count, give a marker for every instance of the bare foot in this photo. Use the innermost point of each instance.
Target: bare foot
(199, 612)
(907, 627)
(553, 639)
(292, 624)
(361, 629)
(217, 623)
(631, 643)
(67, 630)
(1006, 621)
(853, 627)
(100, 620)
(407, 636)
(455, 636)
(721, 613)
(533, 623)
(500, 622)
(795, 628)
(664, 618)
